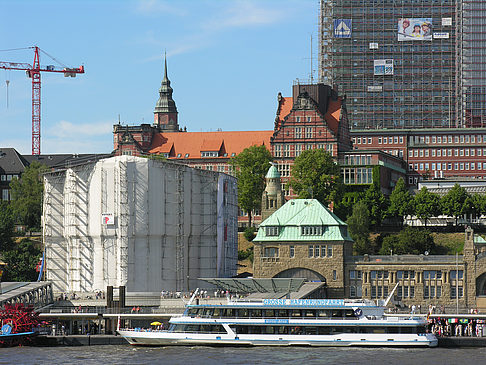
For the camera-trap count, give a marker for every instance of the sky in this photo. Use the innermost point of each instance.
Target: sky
(227, 62)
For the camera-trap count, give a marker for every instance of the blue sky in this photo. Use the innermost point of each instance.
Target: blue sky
(227, 61)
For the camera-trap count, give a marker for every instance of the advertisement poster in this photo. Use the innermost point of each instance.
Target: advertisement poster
(414, 29)
(383, 67)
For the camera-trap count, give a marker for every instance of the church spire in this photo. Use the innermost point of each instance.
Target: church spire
(165, 113)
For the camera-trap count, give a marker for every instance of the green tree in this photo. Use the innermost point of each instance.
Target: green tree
(455, 203)
(27, 195)
(408, 241)
(426, 204)
(476, 204)
(21, 261)
(359, 228)
(250, 167)
(400, 201)
(376, 203)
(6, 226)
(316, 175)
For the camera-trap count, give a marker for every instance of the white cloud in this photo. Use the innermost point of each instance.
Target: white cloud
(65, 129)
(244, 14)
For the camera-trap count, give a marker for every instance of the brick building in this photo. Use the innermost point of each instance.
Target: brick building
(313, 117)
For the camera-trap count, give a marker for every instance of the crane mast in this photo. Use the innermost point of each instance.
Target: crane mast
(34, 72)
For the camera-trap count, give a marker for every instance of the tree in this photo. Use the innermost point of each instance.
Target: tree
(21, 261)
(408, 241)
(400, 201)
(376, 203)
(250, 167)
(6, 226)
(455, 202)
(476, 204)
(27, 195)
(316, 175)
(359, 228)
(426, 204)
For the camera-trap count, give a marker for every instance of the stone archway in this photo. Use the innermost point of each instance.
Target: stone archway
(481, 285)
(300, 272)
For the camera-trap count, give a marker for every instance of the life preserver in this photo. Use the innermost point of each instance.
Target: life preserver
(358, 312)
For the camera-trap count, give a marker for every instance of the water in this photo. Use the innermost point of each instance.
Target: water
(234, 355)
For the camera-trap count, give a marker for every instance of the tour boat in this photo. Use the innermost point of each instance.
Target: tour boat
(288, 322)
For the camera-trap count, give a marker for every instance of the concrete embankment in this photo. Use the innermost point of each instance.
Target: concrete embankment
(79, 340)
(462, 341)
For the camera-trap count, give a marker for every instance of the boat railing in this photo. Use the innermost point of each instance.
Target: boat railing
(273, 318)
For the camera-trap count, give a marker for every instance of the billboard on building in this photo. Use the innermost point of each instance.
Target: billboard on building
(414, 29)
(441, 35)
(383, 67)
(342, 28)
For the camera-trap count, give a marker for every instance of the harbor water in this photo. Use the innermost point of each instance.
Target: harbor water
(234, 355)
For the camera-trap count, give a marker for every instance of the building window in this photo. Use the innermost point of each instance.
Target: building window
(329, 251)
(334, 275)
(323, 251)
(272, 231)
(298, 132)
(311, 250)
(456, 273)
(352, 291)
(270, 252)
(5, 194)
(311, 230)
(292, 251)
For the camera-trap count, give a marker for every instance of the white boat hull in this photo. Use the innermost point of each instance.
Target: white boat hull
(141, 338)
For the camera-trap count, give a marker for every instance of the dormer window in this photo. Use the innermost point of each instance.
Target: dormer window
(311, 230)
(186, 155)
(272, 231)
(179, 155)
(209, 154)
(233, 154)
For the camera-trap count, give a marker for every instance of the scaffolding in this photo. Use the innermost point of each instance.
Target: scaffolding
(417, 89)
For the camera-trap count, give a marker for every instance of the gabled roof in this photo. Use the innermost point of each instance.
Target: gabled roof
(284, 107)
(304, 212)
(192, 143)
(211, 145)
(11, 162)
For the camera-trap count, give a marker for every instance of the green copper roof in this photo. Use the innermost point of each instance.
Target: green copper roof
(479, 239)
(272, 173)
(298, 213)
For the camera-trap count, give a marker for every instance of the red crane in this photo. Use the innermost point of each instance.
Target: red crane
(34, 72)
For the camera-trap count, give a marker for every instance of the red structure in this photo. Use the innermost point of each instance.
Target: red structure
(21, 320)
(34, 72)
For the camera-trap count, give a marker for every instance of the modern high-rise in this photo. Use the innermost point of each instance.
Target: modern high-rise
(406, 64)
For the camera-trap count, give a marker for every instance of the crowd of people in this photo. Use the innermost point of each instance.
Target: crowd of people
(456, 327)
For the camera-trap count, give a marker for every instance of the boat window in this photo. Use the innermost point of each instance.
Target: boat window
(378, 329)
(310, 330)
(208, 312)
(255, 313)
(192, 312)
(349, 313)
(324, 330)
(309, 313)
(296, 313)
(243, 312)
(217, 312)
(217, 328)
(192, 328)
(282, 330)
(420, 329)
(344, 330)
(282, 312)
(296, 331)
(323, 313)
(255, 330)
(392, 330)
(179, 328)
(241, 329)
(228, 312)
(408, 330)
(269, 313)
(336, 313)
(269, 330)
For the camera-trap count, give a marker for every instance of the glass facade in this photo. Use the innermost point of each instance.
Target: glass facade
(394, 78)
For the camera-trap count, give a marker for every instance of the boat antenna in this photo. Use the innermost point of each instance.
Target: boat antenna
(390, 296)
(193, 296)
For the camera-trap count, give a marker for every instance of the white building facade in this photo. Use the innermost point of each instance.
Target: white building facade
(146, 224)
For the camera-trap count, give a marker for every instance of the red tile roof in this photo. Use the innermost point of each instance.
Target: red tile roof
(333, 114)
(284, 108)
(193, 143)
